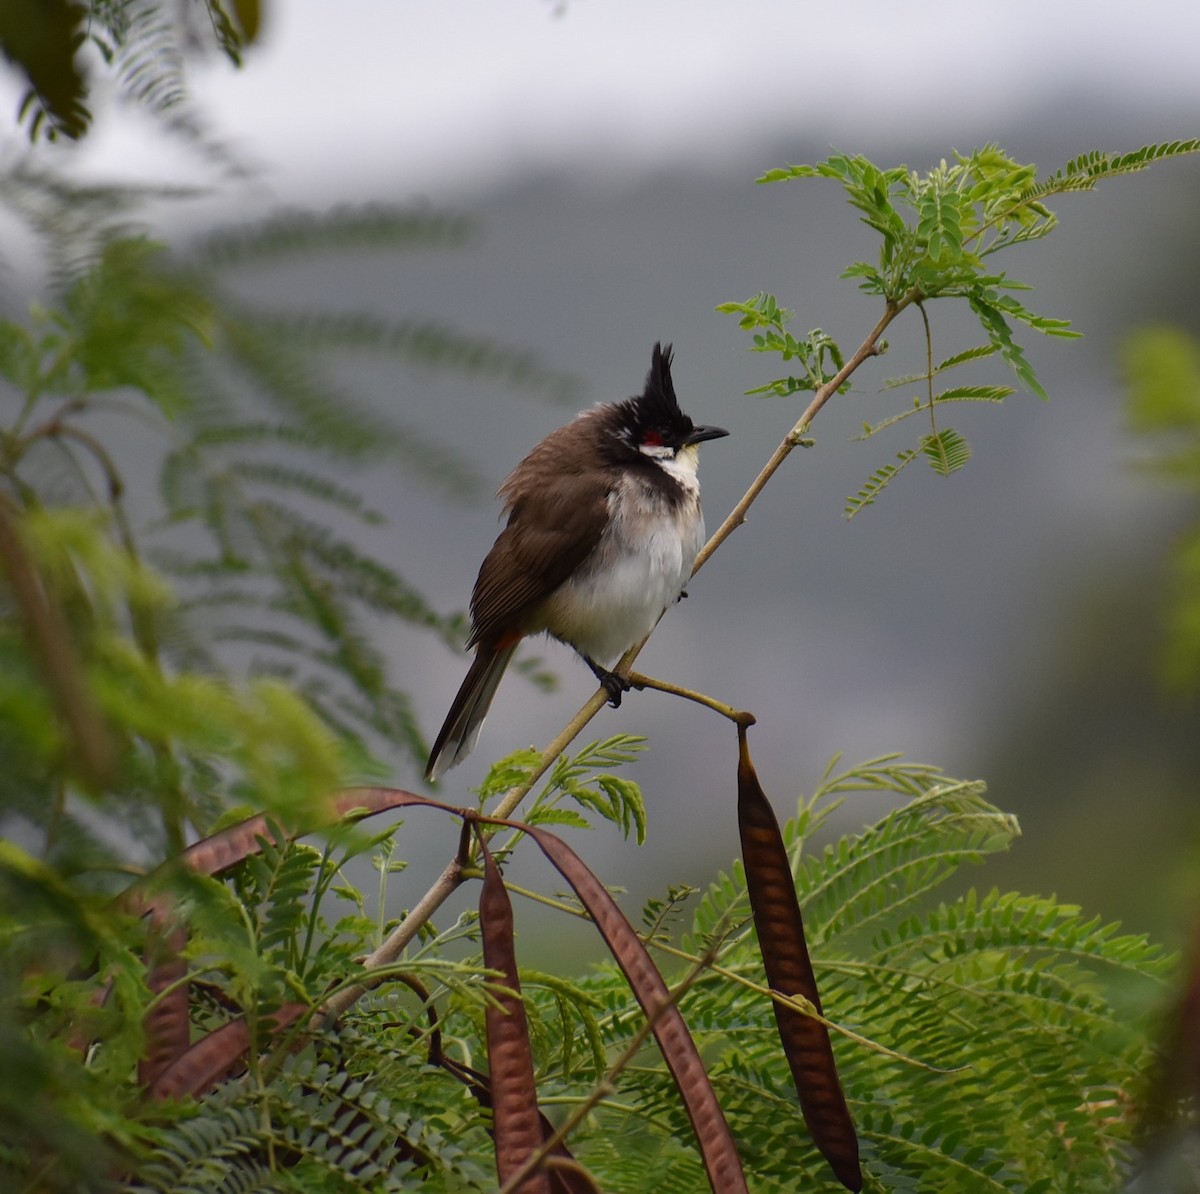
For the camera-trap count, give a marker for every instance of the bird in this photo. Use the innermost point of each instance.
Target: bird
(604, 526)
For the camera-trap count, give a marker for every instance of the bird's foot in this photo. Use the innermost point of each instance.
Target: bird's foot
(615, 685)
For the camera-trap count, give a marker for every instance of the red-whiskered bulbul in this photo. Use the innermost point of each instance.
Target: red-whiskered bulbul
(604, 526)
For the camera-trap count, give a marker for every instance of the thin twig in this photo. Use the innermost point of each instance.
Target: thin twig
(798, 1003)
(928, 365)
(738, 716)
(399, 938)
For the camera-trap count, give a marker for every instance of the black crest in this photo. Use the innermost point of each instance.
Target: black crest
(658, 402)
(655, 409)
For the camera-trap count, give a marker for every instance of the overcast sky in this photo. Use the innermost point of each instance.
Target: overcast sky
(451, 95)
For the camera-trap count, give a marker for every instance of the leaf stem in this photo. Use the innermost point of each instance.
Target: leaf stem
(928, 364)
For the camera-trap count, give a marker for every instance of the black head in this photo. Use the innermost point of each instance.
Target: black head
(652, 423)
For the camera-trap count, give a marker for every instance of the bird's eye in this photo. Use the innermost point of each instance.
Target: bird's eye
(652, 439)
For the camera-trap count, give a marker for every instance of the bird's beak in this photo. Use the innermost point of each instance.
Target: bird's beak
(699, 434)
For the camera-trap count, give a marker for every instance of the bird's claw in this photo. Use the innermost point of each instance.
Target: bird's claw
(616, 686)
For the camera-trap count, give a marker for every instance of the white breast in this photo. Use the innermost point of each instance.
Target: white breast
(637, 571)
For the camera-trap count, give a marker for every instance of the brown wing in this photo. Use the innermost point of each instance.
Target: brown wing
(551, 531)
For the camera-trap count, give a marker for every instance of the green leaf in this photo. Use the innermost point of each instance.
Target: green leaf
(612, 797)
(130, 321)
(908, 853)
(41, 37)
(974, 394)
(968, 355)
(941, 224)
(1000, 334)
(19, 357)
(366, 226)
(946, 450)
(762, 311)
(783, 173)
(543, 815)
(877, 482)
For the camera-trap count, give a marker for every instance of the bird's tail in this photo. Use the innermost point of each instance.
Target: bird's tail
(461, 729)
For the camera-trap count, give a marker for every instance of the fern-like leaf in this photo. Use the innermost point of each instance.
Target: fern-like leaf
(905, 855)
(1083, 172)
(941, 224)
(877, 482)
(946, 451)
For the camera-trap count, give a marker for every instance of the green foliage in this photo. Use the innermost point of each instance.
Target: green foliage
(980, 1048)
(163, 668)
(255, 443)
(878, 481)
(937, 232)
(144, 43)
(316, 1127)
(168, 660)
(936, 228)
(580, 779)
(818, 354)
(947, 451)
(1161, 366)
(920, 993)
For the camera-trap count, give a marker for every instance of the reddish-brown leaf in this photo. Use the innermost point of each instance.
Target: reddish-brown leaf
(717, 1148)
(517, 1128)
(789, 971)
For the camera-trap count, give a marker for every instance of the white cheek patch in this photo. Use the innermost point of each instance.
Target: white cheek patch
(657, 451)
(682, 466)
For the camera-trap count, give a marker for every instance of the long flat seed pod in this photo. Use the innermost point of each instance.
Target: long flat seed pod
(517, 1127)
(201, 1067)
(167, 1026)
(789, 970)
(713, 1136)
(566, 1175)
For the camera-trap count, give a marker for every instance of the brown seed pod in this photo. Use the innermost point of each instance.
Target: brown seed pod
(780, 931)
